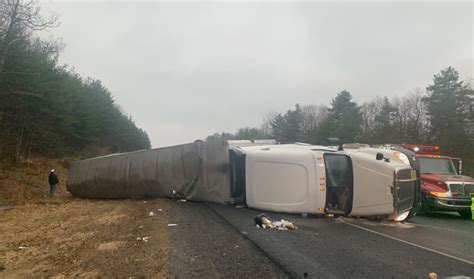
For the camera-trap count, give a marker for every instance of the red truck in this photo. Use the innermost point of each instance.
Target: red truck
(443, 188)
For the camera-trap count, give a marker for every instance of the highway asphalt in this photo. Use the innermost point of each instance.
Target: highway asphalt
(203, 245)
(214, 240)
(358, 248)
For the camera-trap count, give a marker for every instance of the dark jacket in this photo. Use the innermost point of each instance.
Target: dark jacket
(53, 178)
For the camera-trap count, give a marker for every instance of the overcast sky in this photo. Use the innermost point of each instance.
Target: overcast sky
(186, 70)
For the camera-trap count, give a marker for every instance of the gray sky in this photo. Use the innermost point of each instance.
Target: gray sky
(184, 70)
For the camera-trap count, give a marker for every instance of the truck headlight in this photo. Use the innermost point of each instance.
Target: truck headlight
(441, 194)
(402, 157)
(402, 216)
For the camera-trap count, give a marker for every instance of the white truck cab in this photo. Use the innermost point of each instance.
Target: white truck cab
(298, 178)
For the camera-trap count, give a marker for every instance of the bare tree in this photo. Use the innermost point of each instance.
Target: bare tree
(266, 126)
(18, 19)
(369, 111)
(312, 117)
(411, 120)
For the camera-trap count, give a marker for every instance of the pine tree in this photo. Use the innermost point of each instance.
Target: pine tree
(344, 120)
(384, 130)
(44, 107)
(448, 104)
(288, 127)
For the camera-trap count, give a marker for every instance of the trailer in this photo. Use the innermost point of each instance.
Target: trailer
(292, 178)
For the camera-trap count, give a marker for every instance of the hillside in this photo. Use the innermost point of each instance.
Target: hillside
(46, 108)
(27, 181)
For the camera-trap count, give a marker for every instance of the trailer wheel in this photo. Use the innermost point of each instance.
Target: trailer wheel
(467, 214)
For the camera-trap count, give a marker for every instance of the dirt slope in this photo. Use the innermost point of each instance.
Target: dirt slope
(85, 238)
(64, 237)
(27, 181)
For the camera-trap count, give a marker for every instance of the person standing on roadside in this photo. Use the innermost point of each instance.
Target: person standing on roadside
(53, 182)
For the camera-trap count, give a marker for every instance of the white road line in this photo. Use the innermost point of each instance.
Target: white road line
(409, 243)
(433, 227)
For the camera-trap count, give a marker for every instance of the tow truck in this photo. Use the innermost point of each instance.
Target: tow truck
(443, 187)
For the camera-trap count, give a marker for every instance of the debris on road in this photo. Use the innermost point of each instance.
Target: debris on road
(263, 221)
(239, 206)
(160, 210)
(182, 200)
(172, 225)
(151, 214)
(23, 247)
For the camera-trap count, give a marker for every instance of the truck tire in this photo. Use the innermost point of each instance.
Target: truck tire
(467, 214)
(423, 209)
(416, 201)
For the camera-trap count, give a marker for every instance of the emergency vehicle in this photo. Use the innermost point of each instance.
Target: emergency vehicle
(443, 187)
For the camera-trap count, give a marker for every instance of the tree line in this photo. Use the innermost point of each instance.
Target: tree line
(46, 108)
(443, 114)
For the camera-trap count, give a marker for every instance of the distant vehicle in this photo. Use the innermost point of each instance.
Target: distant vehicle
(292, 178)
(443, 188)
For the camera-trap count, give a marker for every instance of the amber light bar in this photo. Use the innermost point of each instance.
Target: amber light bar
(423, 149)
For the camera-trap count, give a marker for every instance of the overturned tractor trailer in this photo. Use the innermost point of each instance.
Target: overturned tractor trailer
(291, 178)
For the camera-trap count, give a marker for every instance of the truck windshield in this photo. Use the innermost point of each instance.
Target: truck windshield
(339, 182)
(436, 165)
(337, 168)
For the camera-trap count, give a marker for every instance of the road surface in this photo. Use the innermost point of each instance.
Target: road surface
(358, 248)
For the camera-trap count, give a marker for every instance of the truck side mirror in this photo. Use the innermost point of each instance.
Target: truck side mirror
(379, 156)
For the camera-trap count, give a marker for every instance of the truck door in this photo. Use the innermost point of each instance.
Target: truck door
(339, 183)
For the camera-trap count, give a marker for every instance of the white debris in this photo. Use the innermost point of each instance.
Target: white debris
(151, 214)
(22, 247)
(264, 221)
(284, 225)
(172, 225)
(159, 210)
(144, 202)
(145, 238)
